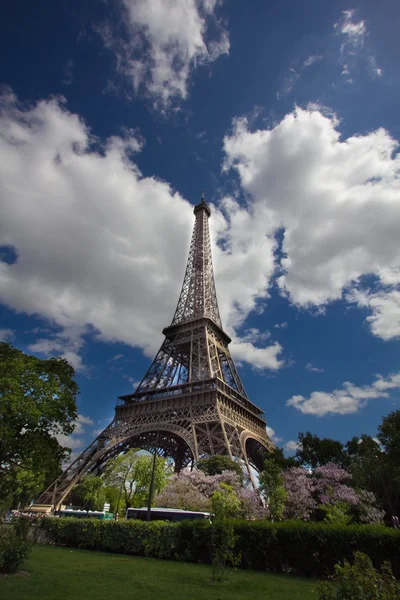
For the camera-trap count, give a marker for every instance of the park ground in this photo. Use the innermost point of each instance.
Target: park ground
(53, 573)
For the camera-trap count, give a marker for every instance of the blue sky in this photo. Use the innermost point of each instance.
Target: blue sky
(114, 117)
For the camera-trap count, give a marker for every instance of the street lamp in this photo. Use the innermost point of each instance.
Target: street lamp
(153, 470)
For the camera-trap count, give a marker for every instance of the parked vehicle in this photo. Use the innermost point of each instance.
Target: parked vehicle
(166, 514)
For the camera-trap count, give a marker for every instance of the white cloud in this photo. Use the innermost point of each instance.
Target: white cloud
(67, 345)
(288, 84)
(291, 446)
(67, 72)
(272, 435)
(258, 358)
(103, 249)
(282, 325)
(354, 56)
(75, 440)
(161, 43)
(310, 367)
(116, 357)
(347, 400)
(385, 307)
(353, 32)
(312, 59)
(336, 200)
(6, 335)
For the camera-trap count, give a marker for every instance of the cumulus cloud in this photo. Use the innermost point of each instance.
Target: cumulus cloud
(291, 446)
(337, 202)
(101, 249)
(346, 400)
(75, 440)
(258, 358)
(385, 306)
(272, 435)
(67, 345)
(6, 335)
(159, 44)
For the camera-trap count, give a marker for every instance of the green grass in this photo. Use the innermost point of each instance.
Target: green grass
(64, 574)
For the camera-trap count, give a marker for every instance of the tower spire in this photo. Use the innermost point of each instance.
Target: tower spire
(198, 296)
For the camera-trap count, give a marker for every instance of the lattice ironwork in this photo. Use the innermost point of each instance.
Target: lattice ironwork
(198, 296)
(191, 402)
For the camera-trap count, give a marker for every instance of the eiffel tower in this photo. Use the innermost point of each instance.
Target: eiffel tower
(191, 402)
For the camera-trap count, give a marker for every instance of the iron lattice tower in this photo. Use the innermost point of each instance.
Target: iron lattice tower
(191, 402)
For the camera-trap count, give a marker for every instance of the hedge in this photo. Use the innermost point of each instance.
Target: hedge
(310, 549)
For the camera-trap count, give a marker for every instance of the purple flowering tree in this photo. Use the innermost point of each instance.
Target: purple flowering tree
(192, 490)
(330, 486)
(367, 511)
(299, 487)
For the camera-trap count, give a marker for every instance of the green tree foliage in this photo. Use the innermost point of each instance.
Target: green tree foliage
(14, 550)
(314, 451)
(272, 489)
(115, 500)
(360, 581)
(224, 503)
(215, 465)
(337, 514)
(389, 435)
(285, 462)
(131, 474)
(376, 466)
(37, 401)
(91, 492)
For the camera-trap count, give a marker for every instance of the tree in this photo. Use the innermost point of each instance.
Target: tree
(374, 464)
(389, 438)
(224, 503)
(193, 490)
(131, 474)
(330, 485)
(389, 435)
(284, 462)
(314, 451)
(183, 493)
(366, 511)
(37, 402)
(215, 465)
(115, 500)
(272, 488)
(299, 486)
(90, 490)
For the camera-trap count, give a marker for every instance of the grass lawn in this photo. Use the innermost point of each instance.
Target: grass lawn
(64, 574)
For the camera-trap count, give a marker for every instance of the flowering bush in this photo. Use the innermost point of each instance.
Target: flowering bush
(192, 490)
(360, 581)
(299, 487)
(367, 511)
(330, 487)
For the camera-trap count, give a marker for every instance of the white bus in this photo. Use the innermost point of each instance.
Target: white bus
(166, 514)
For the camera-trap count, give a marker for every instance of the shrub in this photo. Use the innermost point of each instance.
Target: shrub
(223, 543)
(360, 581)
(299, 547)
(14, 550)
(337, 513)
